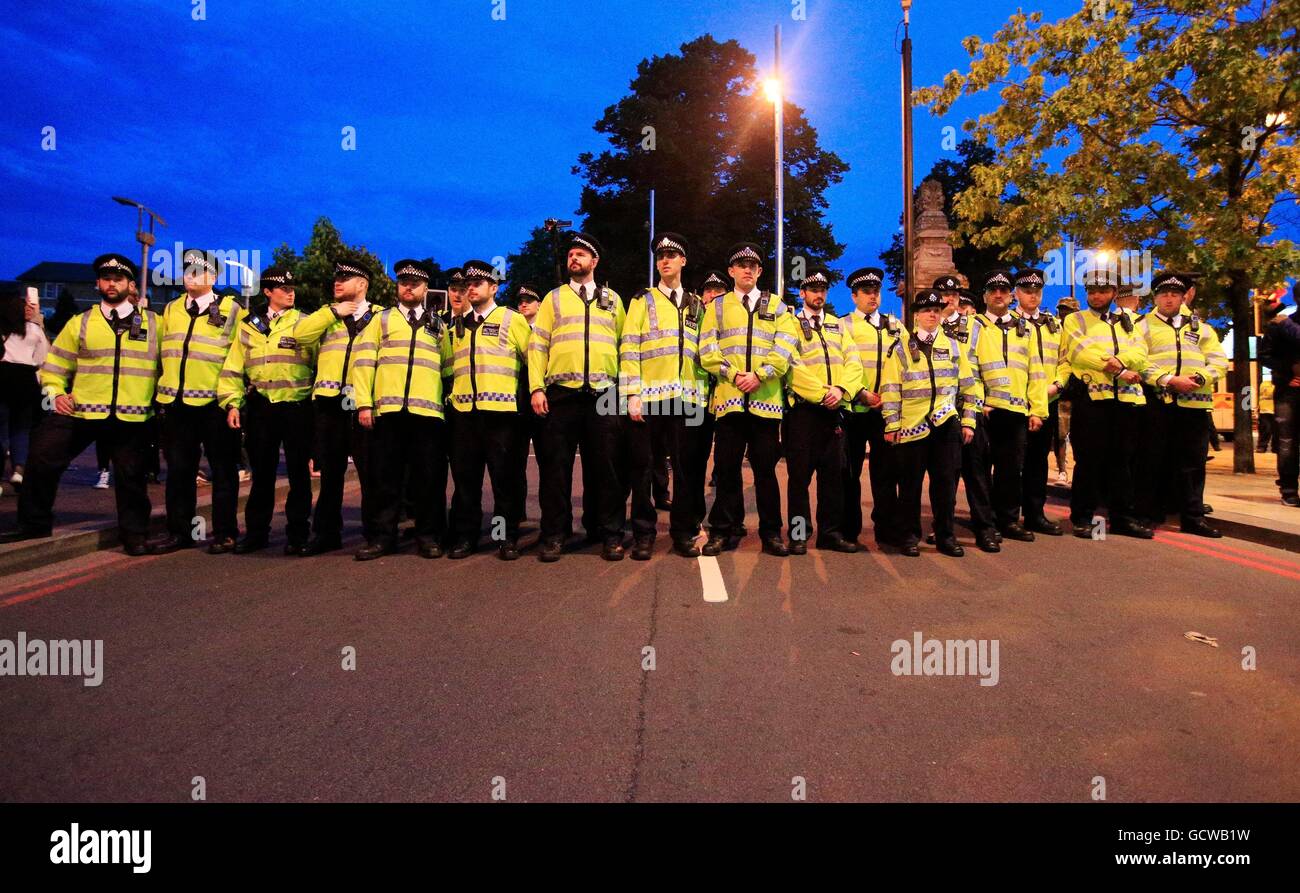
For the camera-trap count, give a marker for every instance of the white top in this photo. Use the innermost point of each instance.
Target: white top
(28, 350)
(749, 299)
(362, 306)
(202, 302)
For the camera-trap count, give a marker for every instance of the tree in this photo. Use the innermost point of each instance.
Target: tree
(696, 130)
(1160, 124)
(314, 268)
(532, 263)
(972, 260)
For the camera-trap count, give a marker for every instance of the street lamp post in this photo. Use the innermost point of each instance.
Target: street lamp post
(773, 90)
(554, 227)
(146, 239)
(907, 163)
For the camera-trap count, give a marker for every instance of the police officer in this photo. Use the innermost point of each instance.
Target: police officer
(198, 330)
(1106, 355)
(955, 324)
(926, 382)
(666, 391)
(1185, 364)
(490, 347)
(872, 334)
(400, 398)
(337, 328)
(712, 286)
(1045, 344)
(966, 303)
(747, 343)
(265, 386)
(573, 374)
(1013, 392)
(528, 302)
(1280, 351)
(101, 373)
(824, 376)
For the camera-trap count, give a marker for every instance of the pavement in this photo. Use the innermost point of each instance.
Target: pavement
(742, 678)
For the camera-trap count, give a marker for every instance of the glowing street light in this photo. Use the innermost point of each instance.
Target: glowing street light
(772, 89)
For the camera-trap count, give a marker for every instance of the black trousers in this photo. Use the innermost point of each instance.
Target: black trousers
(1038, 446)
(57, 440)
(735, 434)
(814, 444)
(579, 419)
(1172, 479)
(337, 435)
(404, 453)
(687, 442)
(185, 429)
(267, 427)
(1103, 433)
(861, 429)
(1286, 419)
(488, 440)
(661, 450)
(938, 454)
(993, 464)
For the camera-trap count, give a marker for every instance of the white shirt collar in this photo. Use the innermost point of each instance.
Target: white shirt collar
(668, 292)
(1170, 319)
(202, 301)
(923, 335)
(811, 315)
(406, 311)
(750, 298)
(1006, 317)
(479, 317)
(589, 286)
(123, 309)
(951, 319)
(362, 307)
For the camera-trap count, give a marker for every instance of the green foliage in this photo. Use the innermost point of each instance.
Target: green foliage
(314, 268)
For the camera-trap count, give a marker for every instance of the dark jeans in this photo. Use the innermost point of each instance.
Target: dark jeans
(1103, 433)
(733, 434)
(186, 429)
(337, 435)
(268, 426)
(404, 453)
(861, 429)
(814, 444)
(59, 439)
(577, 420)
(938, 454)
(486, 440)
(1038, 446)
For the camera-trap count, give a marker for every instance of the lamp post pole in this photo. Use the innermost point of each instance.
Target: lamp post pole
(779, 103)
(908, 223)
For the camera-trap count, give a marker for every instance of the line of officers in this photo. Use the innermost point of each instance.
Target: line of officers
(410, 394)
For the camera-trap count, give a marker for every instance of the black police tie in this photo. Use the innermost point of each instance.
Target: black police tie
(817, 322)
(410, 315)
(472, 321)
(582, 292)
(193, 308)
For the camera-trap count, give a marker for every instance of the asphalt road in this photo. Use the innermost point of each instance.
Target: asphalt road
(474, 673)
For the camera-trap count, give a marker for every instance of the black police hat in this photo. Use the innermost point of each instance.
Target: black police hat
(1100, 277)
(816, 277)
(1030, 279)
(528, 292)
(947, 283)
(455, 276)
(278, 276)
(967, 297)
(927, 299)
(714, 279)
(1171, 281)
(867, 278)
(413, 269)
(479, 269)
(201, 261)
(115, 264)
(998, 278)
(744, 251)
(666, 241)
(350, 265)
(587, 242)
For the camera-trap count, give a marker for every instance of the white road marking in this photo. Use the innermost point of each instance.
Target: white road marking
(715, 590)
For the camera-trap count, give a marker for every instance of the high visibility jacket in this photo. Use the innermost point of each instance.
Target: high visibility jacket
(408, 366)
(1183, 346)
(107, 373)
(1045, 342)
(1266, 397)
(826, 357)
(923, 390)
(1006, 366)
(1089, 337)
(575, 342)
(871, 343)
(194, 349)
(958, 330)
(659, 357)
(271, 359)
(337, 351)
(489, 361)
(735, 340)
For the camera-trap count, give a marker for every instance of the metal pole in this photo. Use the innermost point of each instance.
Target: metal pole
(780, 173)
(652, 240)
(908, 224)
